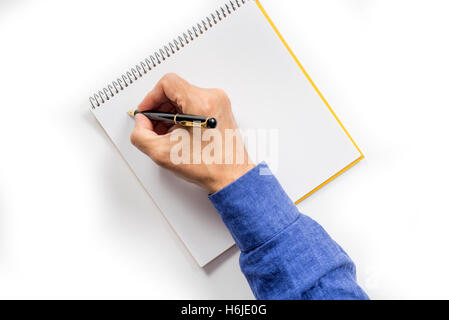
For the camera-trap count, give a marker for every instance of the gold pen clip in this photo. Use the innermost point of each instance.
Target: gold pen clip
(191, 123)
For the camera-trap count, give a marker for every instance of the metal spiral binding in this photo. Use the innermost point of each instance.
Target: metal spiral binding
(164, 53)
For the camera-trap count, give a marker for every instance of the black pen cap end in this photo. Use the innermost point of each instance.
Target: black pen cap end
(212, 123)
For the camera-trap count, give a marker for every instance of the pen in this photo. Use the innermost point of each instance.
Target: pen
(185, 120)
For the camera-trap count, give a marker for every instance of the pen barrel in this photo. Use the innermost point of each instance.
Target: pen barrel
(172, 117)
(160, 116)
(182, 119)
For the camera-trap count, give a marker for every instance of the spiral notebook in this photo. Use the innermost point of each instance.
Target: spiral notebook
(236, 48)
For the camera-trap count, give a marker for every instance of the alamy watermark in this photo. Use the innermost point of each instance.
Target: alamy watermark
(211, 146)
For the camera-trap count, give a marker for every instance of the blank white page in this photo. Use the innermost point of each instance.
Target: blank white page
(242, 55)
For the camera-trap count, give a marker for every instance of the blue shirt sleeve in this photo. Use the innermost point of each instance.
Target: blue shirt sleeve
(284, 254)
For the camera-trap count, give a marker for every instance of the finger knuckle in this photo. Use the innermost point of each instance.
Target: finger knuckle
(221, 95)
(217, 99)
(169, 77)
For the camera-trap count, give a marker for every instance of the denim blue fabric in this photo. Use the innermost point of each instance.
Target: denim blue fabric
(284, 254)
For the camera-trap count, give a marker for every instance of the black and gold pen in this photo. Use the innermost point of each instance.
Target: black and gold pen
(185, 120)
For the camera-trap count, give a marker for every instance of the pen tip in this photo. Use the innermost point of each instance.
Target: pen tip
(131, 113)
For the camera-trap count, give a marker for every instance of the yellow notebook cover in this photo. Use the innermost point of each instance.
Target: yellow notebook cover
(321, 96)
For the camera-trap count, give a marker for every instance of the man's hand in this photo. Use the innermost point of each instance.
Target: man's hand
(156, 139)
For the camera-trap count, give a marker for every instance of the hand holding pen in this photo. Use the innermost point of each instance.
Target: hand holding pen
(174, 96)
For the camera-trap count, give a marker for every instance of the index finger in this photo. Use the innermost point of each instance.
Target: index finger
(170, 88)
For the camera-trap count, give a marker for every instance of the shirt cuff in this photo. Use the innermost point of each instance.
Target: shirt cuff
(254, 207)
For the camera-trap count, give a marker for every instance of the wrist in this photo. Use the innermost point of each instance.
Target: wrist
(226, 176)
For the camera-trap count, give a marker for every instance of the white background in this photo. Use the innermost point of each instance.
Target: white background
(75, 222)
